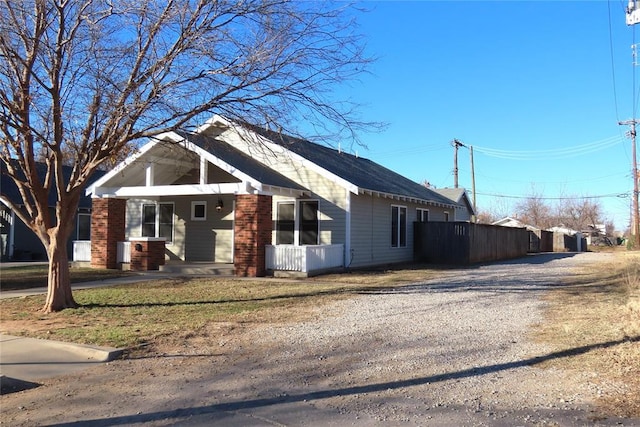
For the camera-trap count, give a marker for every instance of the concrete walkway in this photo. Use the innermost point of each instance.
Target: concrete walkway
(87, 285)
(25, 361)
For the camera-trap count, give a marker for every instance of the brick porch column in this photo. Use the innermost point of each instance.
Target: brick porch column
(107, 229)
(252, 233)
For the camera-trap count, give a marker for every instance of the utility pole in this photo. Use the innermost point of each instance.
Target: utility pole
(635, 222)
(473, 178)
(633, 18)
(456, 144)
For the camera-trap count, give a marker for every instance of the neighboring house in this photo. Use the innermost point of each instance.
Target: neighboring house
(17, 241)
(464, 208)
(227, 193)
(564, 230)
(514, 222)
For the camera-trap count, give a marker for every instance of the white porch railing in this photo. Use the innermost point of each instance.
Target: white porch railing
(304, 258)
(82, 250)
(123, 253)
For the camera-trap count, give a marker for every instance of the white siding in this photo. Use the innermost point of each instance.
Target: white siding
(371, 230)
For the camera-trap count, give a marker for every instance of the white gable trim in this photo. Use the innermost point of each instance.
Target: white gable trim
(248, 185)
(129, 160)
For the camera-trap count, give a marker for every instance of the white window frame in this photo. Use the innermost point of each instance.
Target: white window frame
(402, 233)
(82, 214)
(157, 219)
(297, 214)
(421, 214)
(194, 204)
(446, 216)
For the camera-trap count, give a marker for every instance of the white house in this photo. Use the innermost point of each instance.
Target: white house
(233, 193)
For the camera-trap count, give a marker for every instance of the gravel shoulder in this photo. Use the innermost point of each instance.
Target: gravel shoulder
(451, 351)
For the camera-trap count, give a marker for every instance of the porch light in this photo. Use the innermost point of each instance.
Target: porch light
(220, 205)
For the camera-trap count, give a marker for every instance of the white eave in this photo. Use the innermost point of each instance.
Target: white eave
(405, 198)
(248, 185)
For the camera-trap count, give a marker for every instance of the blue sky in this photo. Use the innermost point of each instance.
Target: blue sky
(537, 88)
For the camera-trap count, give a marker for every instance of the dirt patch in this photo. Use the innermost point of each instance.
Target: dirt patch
(452, 350)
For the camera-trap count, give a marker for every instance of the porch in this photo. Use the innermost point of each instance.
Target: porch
(281, 260)
(303, 261)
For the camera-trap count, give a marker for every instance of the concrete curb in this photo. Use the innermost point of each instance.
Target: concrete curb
(99, 354)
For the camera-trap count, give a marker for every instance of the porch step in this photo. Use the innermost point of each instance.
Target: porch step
(198, 269)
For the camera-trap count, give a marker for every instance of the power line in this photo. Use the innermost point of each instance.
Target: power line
(602, 196)
(558, 153)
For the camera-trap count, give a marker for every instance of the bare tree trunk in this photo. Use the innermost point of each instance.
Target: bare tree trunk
(59, 294)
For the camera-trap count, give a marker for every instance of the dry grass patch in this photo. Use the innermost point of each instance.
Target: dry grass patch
(168, 312)
(599, 311)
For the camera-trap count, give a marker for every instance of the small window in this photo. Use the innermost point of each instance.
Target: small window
(422, 215)
(446, 216)
(398, 226)
(198, 211)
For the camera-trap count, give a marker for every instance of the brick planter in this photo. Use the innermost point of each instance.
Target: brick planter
(147, 253)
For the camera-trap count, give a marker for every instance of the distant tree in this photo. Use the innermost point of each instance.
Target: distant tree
(82, 81)
(579, 213)
(535, 210)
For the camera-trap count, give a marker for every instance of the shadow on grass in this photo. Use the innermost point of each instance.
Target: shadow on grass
(213, 410)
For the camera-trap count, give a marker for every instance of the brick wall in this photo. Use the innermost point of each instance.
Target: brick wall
(253, 229)
(107, 229)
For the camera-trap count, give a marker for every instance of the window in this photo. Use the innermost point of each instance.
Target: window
(398, 226)
(446, 216)
(285, 224)
(84, 227)
(308, 222)
(157, 220)
(198, 211)
(423, 215)
(148, 220)
(297, 223)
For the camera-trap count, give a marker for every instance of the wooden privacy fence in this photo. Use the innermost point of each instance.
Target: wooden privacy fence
(467, 243)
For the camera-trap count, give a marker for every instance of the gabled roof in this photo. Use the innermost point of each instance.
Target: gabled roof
(177, 145)
(9, 190)
(458, 195)
(514, 222)
(365, 174)
(241, 161)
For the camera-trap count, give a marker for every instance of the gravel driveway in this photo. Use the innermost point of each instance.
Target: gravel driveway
(450, 351)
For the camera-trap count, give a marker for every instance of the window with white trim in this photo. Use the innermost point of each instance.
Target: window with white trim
(422, 215)
(446, 216)
(398, 226)
(297, 223)
(157, 220)
(83, 231)
(285, 223)
(199, 211)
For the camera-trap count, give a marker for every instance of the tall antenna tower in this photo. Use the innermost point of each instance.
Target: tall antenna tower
(633, 18)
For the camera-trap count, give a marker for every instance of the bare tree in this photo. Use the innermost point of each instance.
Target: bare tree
(579, 213)
(81, 81)
(534, 210)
